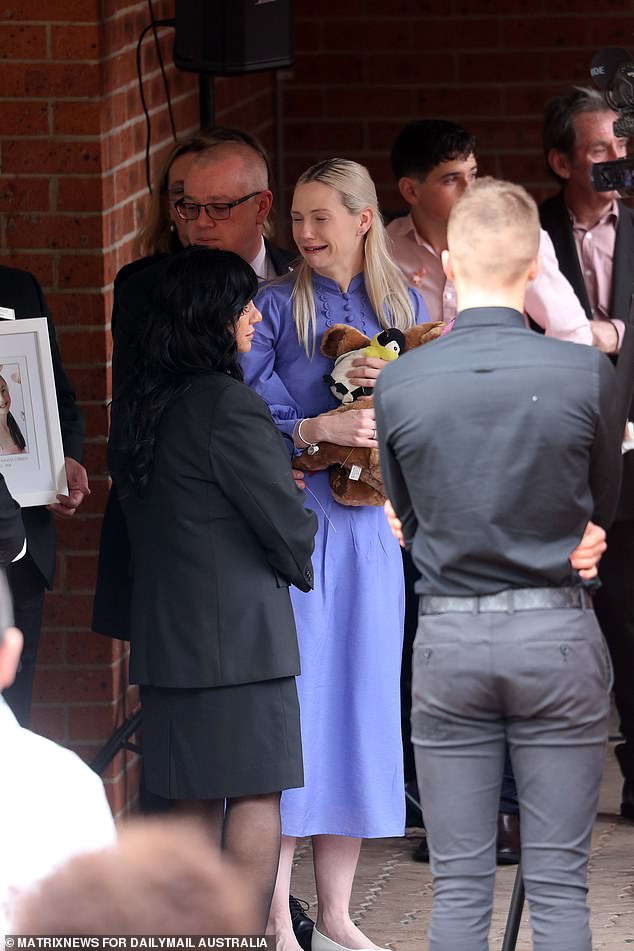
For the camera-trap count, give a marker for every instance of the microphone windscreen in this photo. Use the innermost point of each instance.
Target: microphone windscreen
(605, 64)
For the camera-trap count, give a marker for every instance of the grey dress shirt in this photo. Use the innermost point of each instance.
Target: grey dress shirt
(497, 446)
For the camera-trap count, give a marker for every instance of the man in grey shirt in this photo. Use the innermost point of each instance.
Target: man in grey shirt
(498, 446)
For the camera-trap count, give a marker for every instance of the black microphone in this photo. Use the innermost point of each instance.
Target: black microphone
(605, 63)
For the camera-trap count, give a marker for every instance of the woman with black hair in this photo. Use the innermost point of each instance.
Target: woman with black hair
(218, 532)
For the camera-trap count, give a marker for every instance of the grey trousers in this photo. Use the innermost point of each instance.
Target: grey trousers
(539, 680)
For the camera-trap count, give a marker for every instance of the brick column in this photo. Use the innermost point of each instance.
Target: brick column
(72, 196)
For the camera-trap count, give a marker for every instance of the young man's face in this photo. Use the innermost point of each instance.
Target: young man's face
(434, 197)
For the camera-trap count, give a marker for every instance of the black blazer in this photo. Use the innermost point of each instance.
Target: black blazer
(132, 287)
(281, 259)
(216, 540)
(20, 291)
(556, 221)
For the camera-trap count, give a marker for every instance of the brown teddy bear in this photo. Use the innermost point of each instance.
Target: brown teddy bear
(355, 472)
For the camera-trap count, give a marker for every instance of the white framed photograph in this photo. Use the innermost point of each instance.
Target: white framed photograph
(31, 450)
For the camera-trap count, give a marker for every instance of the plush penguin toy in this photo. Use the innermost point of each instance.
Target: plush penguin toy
(355, 473)
(386, 345)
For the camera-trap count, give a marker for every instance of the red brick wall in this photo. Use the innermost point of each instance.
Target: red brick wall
(366, 67)
(72, 193)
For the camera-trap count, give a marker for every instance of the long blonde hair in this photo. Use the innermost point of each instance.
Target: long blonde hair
(385, 285)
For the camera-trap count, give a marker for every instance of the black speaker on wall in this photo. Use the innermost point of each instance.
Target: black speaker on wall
(226, 37)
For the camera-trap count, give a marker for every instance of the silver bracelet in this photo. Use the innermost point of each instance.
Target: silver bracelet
(311, 447)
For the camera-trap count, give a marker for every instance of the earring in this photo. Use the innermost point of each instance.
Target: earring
(172, 227)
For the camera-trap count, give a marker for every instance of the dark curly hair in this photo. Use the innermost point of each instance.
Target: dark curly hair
(423, 144)
(195, 307)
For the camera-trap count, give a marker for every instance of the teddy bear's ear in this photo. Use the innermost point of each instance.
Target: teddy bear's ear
(341, 338)
(423, 333)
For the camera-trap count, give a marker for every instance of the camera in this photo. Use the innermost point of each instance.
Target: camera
(612, 71)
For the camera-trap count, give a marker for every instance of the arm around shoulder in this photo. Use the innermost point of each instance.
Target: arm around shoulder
(260, 363)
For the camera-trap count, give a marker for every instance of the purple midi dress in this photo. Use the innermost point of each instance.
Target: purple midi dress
(350, 627)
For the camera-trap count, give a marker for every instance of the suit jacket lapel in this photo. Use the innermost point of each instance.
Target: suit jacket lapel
(556, 220)
(281, 259)
(623, 271)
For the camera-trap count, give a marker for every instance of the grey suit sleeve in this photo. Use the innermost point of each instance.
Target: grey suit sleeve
(251, 464)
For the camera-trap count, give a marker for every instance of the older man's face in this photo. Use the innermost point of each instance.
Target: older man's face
(595, 142)
(223, 181)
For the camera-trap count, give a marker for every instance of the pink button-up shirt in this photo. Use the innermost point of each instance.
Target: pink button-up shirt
(550, 300)
(595, 250)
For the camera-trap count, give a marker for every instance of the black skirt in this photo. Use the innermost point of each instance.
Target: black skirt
(222, 742)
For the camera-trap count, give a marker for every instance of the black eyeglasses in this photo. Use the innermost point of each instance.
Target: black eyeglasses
(217, 211)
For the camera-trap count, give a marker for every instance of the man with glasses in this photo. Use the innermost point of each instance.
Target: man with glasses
(226, 203)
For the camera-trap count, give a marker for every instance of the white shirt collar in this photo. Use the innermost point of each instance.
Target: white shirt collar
(260, 263)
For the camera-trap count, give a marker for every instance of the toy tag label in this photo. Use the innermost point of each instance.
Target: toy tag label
(355, 473)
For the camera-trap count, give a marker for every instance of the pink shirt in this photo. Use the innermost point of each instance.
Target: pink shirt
(595, 250)
(550, 300)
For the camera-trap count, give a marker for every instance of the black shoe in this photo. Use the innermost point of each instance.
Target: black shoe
(422, 852)
(302, 924)
(508, 844)
(627, 801)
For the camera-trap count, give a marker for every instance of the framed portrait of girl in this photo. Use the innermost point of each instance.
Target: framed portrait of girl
(31, 451)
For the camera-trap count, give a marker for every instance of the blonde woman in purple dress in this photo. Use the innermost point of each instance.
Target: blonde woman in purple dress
(350, 627)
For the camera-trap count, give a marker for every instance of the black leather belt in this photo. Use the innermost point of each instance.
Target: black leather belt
(509, 600)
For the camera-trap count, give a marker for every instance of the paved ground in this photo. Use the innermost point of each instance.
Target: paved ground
(392, 895)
